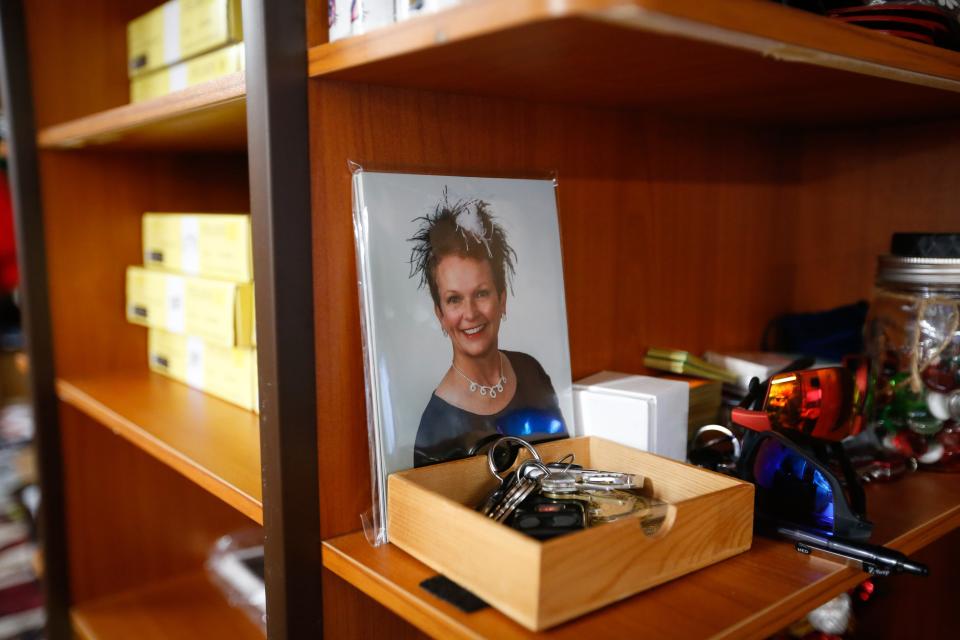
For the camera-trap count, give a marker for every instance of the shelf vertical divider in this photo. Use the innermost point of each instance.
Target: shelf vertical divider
(278, 151)
(32, 261)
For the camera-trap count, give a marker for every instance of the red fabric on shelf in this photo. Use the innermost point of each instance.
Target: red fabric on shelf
(9, 275)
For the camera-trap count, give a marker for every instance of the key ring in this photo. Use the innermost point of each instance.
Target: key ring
(493, 448)
(569, 458)
(521, 473)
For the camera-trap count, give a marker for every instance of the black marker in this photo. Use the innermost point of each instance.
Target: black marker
(876, 560)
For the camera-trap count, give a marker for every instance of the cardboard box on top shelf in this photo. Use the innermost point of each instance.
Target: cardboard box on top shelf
(179, 30)
(203, 68)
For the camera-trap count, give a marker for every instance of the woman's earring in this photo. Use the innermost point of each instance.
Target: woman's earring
(443, 331)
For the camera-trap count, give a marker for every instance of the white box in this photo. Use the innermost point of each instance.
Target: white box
(748, 365)
(646, 413)
(370, 15)
(406, 9)
(339, 19)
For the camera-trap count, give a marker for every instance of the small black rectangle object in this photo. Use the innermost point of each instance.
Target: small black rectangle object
(449, 591)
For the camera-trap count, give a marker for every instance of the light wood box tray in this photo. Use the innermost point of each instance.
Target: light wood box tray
(541, 584)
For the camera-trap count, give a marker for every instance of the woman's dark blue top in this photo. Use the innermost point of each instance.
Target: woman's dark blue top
(447, 432)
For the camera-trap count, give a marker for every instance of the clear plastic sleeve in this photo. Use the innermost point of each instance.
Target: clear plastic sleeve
(447, 369)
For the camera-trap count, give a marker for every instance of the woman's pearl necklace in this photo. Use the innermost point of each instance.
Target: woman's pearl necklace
(484, 389)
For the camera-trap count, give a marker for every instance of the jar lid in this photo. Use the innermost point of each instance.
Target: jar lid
(925, 245)
(918, 271)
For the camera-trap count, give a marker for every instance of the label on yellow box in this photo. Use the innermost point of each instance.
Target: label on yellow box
(210, 245)
(226, 372)
(179, 30)
(218, 311)
(204, 68)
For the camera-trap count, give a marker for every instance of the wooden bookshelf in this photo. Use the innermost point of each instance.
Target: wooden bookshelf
(700, 196)
(183, 607)
(720, 163)
(773, 584)
(211, 442)
(685, 57)
(209, 116)
(141, 474)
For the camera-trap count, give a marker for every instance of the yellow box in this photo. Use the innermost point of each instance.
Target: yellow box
(203, 68)
(542, 584)
(179, 30)
(209, 245)
(217, 311)
(230, 373)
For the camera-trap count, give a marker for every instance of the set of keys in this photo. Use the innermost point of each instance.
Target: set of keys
(548, 499)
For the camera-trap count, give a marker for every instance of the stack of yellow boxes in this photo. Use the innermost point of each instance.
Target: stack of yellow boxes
(182, 43)
(195, 293)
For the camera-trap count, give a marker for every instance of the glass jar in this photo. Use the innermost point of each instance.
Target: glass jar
(912, 337)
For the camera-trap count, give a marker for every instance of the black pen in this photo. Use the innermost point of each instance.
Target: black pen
(875, 559)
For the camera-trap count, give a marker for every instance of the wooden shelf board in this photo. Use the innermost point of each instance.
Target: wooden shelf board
(183, 607)
(209, 116)
(752, 595)
(727, 60)
(211, 442)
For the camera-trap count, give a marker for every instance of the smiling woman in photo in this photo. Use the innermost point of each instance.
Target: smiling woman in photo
(462, 255)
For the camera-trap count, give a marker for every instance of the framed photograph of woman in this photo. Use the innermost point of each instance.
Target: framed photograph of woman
(464, 319)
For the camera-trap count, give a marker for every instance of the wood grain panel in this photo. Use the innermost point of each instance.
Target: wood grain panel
(348, 613)
(318, 30)
(677, 609)
(853, 189)
(752, 595)
(131, 520)
(93, 203)
(675, 232)
(209, 441)
(934, 596)
(757, 23)
(661, 234)
(205, 117)
(78, 54)
(182, 607)
(715, 59)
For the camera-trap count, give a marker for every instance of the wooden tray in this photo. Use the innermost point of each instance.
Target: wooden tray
(541, 584)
